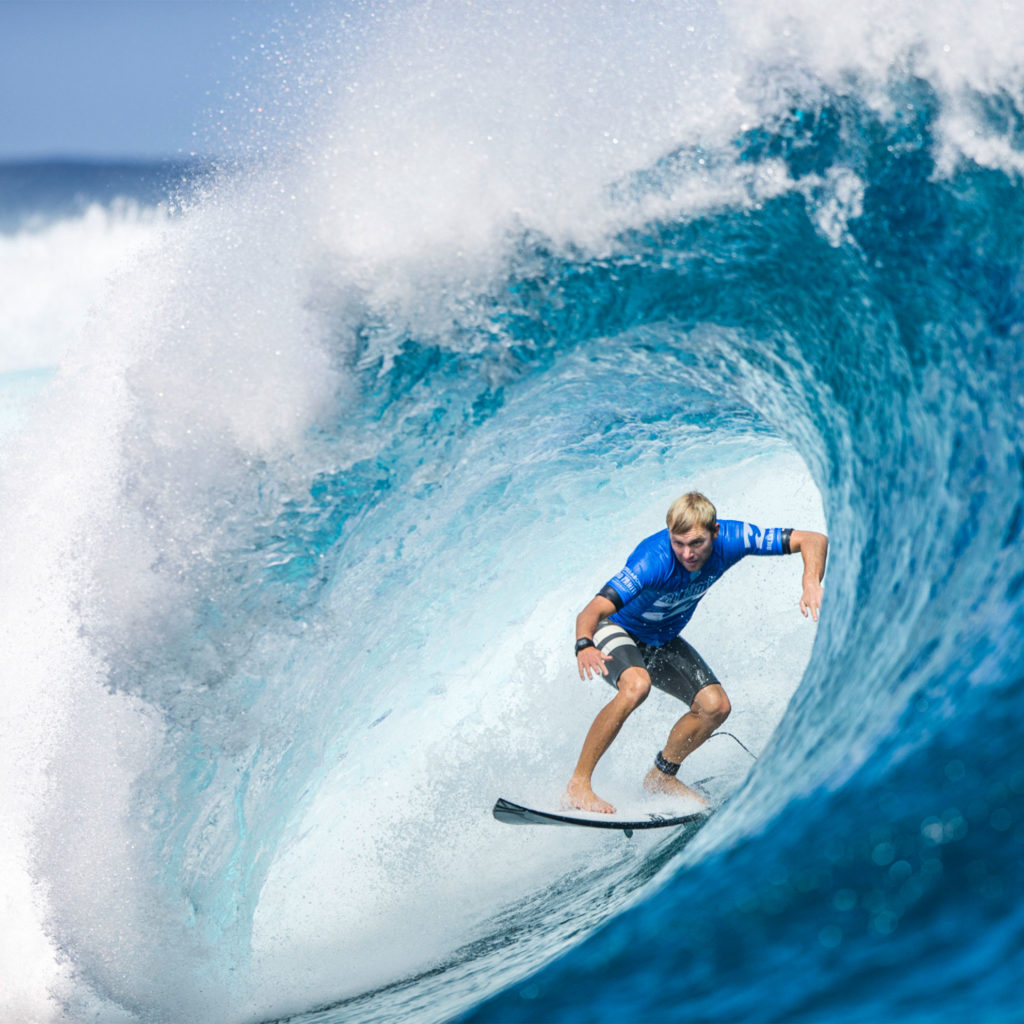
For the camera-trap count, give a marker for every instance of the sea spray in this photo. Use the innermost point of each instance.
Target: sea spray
(345, 448)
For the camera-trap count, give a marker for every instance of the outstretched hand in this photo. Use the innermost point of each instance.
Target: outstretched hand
(590, 662)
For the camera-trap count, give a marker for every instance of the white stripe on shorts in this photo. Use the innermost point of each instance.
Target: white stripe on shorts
(619, 641)
(611, 636)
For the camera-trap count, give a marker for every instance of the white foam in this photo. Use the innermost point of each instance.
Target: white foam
(961, 50)
(55, 275)
(36, 639)
(213, 357)
(196, 363)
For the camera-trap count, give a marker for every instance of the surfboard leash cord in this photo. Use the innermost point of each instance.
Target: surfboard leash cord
(737, 739)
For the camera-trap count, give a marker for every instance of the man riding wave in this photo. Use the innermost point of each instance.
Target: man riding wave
(629, 633)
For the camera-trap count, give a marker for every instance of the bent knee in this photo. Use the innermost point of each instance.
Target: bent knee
(634, 686)
(712, 702)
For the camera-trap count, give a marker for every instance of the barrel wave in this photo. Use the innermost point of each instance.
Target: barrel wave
(304, 486)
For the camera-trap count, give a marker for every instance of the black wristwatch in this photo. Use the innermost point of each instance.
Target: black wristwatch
(583, 643)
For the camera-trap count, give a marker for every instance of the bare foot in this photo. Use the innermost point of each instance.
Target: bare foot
(656, 781)
(579, 796)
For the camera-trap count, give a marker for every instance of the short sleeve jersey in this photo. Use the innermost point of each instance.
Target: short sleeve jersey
(657, 596)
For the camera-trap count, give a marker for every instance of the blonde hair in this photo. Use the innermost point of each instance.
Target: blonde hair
(689, 512)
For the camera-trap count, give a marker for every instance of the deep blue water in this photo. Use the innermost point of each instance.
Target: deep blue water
(331, 502)
(39, 192)
(893, 893)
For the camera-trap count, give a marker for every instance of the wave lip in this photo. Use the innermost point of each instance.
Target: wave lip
(287, 422)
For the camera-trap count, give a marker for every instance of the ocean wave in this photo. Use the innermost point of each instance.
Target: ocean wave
(345, 443)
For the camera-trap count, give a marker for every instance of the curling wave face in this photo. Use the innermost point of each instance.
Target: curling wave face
(359, 430)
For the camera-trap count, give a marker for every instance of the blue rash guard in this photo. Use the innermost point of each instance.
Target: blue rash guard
(655, 596)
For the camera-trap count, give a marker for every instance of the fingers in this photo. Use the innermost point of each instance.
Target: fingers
(590, 663)
(810, 603)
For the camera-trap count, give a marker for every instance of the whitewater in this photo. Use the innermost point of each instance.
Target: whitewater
(311, 457)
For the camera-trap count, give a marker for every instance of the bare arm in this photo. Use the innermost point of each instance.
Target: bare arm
(590, 661)
(813, 548)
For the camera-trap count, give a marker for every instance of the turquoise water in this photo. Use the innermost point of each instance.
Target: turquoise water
(306, 480)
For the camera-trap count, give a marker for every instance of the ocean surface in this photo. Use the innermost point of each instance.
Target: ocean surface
(309, 458)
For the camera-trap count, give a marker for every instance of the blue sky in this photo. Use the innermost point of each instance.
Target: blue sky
(132, 78)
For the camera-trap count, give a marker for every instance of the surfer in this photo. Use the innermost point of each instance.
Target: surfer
(629, 633)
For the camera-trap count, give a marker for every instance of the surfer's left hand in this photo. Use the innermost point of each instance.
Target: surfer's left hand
(810, 600)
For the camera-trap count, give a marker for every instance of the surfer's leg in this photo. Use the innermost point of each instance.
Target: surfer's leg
(678, 670)
(709, 710)
(633, 687)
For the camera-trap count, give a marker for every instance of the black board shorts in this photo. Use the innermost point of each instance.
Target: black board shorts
(675, 668)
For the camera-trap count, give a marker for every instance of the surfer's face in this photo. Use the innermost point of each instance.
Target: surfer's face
(693, 548)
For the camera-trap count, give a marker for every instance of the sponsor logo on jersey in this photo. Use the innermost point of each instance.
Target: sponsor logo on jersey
(626, 583)
(669, 605)
(756, 539)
